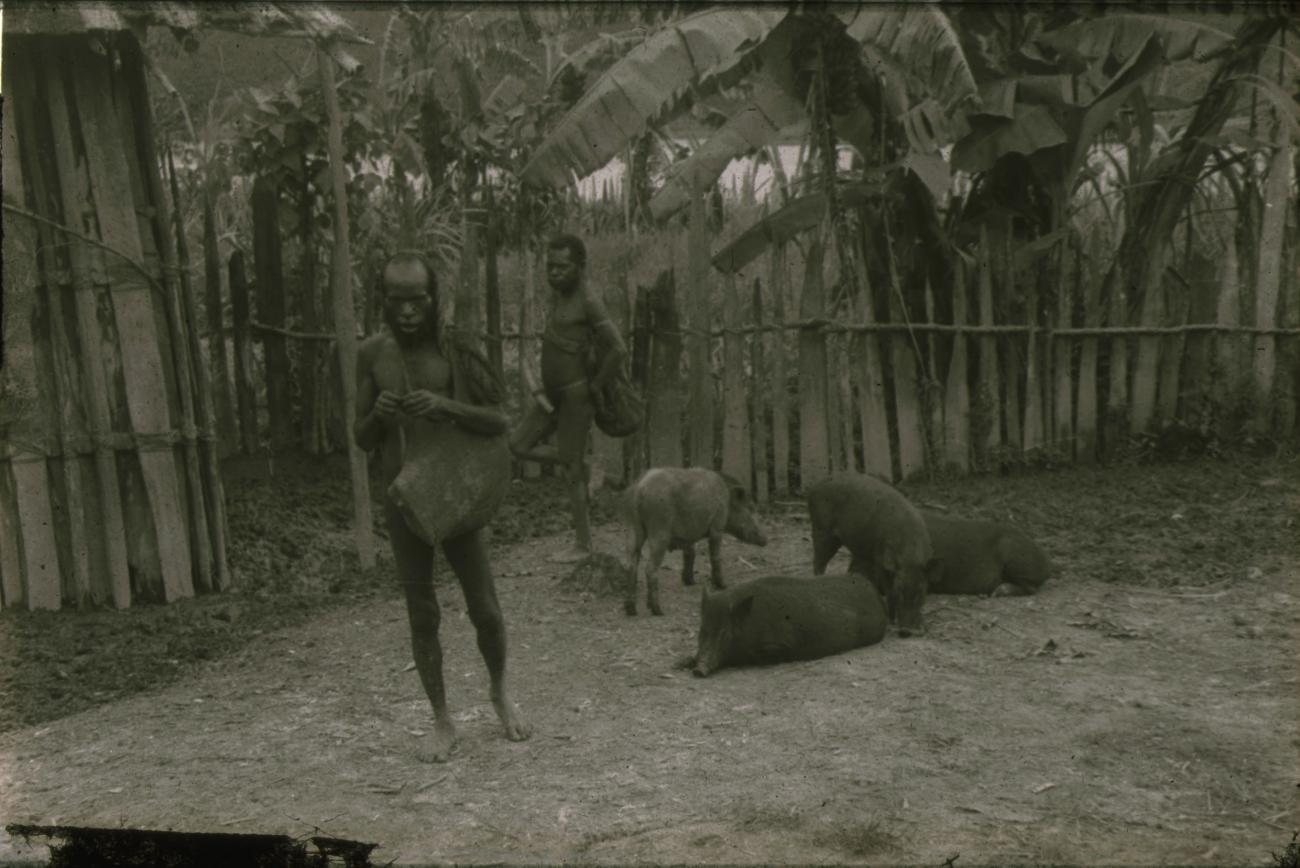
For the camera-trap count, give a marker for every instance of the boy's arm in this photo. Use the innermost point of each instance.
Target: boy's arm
(608, 338)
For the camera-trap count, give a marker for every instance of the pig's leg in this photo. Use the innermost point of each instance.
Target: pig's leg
(629, 594)
(881, 580)
(469, 561)
(825, 545)
(658, 546)
(715, 560)
(688, 563)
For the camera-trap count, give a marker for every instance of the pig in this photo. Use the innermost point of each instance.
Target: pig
(673, 508)
(781, 618)
(984, 557)
(885, 535)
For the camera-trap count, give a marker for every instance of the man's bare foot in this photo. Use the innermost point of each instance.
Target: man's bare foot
(438, 747)
(516, 728)
(571, 556)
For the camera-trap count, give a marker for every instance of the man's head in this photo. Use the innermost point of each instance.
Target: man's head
(566, 257)
(410, 293)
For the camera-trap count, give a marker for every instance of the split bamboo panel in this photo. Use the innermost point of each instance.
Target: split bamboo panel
(638, 442)
(1171, 356)
(1115, 427)
(1032, 430)
(528, 342)
(1269, 276)
(1228, 354)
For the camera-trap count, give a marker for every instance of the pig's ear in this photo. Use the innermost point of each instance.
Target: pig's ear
(743, 607)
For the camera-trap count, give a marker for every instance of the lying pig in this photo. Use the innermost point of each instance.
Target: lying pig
(883, 532)
(673, 508)
(984, 557)
(778, 618)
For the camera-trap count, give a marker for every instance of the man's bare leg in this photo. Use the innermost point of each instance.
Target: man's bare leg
(573, 429)
(415, 570)
(469, 561)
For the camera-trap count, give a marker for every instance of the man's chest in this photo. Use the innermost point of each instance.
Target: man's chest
(402, 371)
(567, 310)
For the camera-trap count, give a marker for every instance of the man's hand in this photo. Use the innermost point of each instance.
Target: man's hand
(424, 404)
(388, 406)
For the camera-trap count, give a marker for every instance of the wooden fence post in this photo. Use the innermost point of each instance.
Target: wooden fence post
(699, 306)
(267, 265)
(246, 399)
(990, 392)
(311, 357)
(345, 325)
(1272, 254)
(736, 458)
(1086, 422)
(664, 391)
(1062, 405)
(1116, 425)
(867, 364)
(638, 443)
(956, 405)
(212, 295)
(758, 387)
(814, 436)
(780, 393)
(1032, 430)
(905, 357)
(528, 343)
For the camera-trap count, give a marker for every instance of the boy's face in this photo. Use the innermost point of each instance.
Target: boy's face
(561, 271)
(407, 304)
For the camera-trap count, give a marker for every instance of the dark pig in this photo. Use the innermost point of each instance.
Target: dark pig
(780, 618)
(883, 532)
(673, 508)
(984, 557)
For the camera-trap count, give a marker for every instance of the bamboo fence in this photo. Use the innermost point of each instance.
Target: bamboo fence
(109, 488)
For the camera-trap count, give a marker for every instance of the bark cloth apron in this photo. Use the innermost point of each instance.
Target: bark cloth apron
(452, 479)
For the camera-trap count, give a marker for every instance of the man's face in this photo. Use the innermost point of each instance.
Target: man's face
(561, 271)
(407, 305)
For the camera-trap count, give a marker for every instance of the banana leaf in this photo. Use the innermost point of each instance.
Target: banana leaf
(788, 221)
(1123, 34)
(644, 86)
(921, 38)
(770, 113)
(1031, 129)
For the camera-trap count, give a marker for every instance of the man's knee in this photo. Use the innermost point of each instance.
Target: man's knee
(577, 472)
(422, 607)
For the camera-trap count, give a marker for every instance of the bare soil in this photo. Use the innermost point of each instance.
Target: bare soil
(1142, 709)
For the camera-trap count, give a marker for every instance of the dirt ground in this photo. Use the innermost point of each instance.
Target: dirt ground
(1141, 709)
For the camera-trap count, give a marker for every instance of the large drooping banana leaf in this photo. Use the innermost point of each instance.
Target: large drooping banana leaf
(644, 85)
(768, 113)
(795, 216)
(1030, 129)
(921, 39)
(1122, 34)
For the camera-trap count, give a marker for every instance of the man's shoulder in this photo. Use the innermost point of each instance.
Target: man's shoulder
(370, 347)
(593, 300)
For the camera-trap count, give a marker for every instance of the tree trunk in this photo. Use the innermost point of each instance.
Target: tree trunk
(736, 458)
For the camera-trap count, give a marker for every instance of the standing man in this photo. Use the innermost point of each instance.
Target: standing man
(581, 350)
(407, 373)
